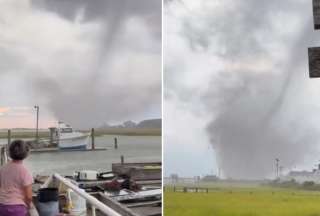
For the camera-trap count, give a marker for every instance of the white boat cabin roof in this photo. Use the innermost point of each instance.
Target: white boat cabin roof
(65, 128)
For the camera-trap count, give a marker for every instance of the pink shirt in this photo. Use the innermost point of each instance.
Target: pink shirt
(13, 177)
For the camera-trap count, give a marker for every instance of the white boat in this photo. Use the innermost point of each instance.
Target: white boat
(70, 139)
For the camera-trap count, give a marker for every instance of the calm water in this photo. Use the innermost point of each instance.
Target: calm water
(133, 148)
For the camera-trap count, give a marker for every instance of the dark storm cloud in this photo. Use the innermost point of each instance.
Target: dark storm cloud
(107, 10)
(111, 13)
(89, 62)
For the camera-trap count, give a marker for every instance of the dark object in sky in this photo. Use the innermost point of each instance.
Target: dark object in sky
(316, 13)
(314, 62)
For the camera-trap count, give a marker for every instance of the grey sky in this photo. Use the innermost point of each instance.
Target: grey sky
(237, 74)
(84, 62)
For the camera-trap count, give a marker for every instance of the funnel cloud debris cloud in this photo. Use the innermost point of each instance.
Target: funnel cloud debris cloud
(253, 92)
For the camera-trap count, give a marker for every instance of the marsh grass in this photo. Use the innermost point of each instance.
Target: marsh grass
(98, 132)
(233, 201)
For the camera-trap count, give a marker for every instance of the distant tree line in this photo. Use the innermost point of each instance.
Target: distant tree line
(307, 185)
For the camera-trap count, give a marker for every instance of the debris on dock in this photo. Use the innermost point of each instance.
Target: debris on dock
(129, 189)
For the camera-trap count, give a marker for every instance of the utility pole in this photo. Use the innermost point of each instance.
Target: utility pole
(37, 124)
(277, 167)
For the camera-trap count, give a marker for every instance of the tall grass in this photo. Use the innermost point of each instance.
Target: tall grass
(259, 201)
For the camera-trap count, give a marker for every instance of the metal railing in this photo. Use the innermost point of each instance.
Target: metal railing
(94, 202)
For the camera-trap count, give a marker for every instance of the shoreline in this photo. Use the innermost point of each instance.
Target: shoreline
(18, 133)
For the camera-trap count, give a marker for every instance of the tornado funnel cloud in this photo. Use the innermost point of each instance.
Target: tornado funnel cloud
(258, 111)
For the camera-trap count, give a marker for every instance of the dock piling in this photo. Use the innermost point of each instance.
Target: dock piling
(122, 159)
(115, 143)
(92, 139)
(3, 149)
(9, 137)
(52, 132)
(9, 141)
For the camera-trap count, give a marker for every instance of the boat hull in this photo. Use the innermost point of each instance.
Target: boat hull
(74, 143)
(77, 147)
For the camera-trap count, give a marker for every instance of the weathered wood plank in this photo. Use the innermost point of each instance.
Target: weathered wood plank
(139, 171)
(140, 204)
(122, 209)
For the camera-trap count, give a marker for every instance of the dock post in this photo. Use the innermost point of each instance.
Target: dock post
(115, 143)
(2, 155)
(9, 141)
(52, 132)
(9, 137)
(122, 159)
(92, 139)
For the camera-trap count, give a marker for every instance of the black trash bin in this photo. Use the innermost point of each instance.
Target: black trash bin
(48, 201)
(48, 194)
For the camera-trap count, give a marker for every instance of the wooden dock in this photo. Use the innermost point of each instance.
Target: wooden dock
(53, 150)
(139, 171)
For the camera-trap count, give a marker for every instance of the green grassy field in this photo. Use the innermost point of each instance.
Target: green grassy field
(235, 201)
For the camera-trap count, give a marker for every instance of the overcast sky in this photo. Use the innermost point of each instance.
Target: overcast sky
(83, 62)
(236, 89)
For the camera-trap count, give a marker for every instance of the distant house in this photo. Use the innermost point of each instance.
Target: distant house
(303, 176)
(210, 178)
